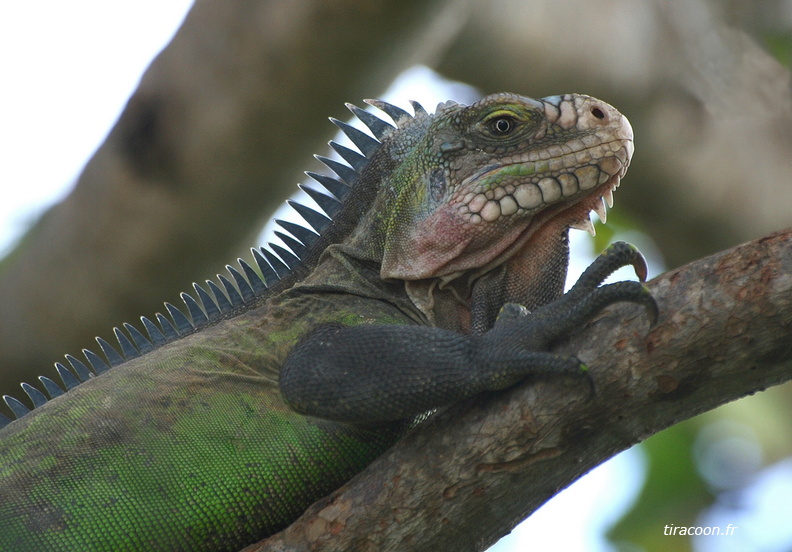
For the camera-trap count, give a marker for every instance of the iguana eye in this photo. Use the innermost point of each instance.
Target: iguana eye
(502, 126)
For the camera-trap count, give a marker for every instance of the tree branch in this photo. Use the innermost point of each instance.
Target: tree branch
(466, 477)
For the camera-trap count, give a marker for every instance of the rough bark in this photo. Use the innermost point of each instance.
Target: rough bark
(467, 477)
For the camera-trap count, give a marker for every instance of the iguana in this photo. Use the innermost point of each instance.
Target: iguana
(220, 428)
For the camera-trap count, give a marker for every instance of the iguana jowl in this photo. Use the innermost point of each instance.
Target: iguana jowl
(221, 428)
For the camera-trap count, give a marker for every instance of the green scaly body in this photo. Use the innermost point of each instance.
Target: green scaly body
(200, 439)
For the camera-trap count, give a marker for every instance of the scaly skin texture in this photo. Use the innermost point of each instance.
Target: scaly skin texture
(225, 436)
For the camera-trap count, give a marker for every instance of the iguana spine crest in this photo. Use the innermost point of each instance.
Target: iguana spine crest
(274, 262)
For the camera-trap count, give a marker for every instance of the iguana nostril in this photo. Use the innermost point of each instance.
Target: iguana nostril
(597, 112)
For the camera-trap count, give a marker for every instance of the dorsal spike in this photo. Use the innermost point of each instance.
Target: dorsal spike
(231, 291)
(379, 128)
(182, 323)
(209, 304)
(97, 363)
(344, 172)
(418, 108)
(329, 204)
(198, 316)
(52, 388)
(333, 185)
(140, 341)
(222, 299)
(68, 379)
(306, 236)
(127, 349)
(244, 286)
(298, 249)
(270, 276)
(113, 357)
(315, 219)
(79, 368)
(277, 265)
(168, 329)
(365, 143)
(37, 397)
(355, 160)
(288, 258)
(258, 285)
(64, 372)
(398, 115)
(155, 333)
(16, 407)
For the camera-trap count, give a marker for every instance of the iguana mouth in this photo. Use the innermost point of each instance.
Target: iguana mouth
(566, 211)
(535, 197)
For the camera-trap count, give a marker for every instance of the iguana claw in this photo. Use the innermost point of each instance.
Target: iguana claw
(616, 256)
(587, 298)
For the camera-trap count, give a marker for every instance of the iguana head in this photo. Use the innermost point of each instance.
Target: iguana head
(480, 184)
(487, 177)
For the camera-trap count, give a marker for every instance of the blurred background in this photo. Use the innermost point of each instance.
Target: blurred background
(144, 145)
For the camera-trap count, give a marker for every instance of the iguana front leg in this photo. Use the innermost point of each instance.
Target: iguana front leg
(375, 373)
